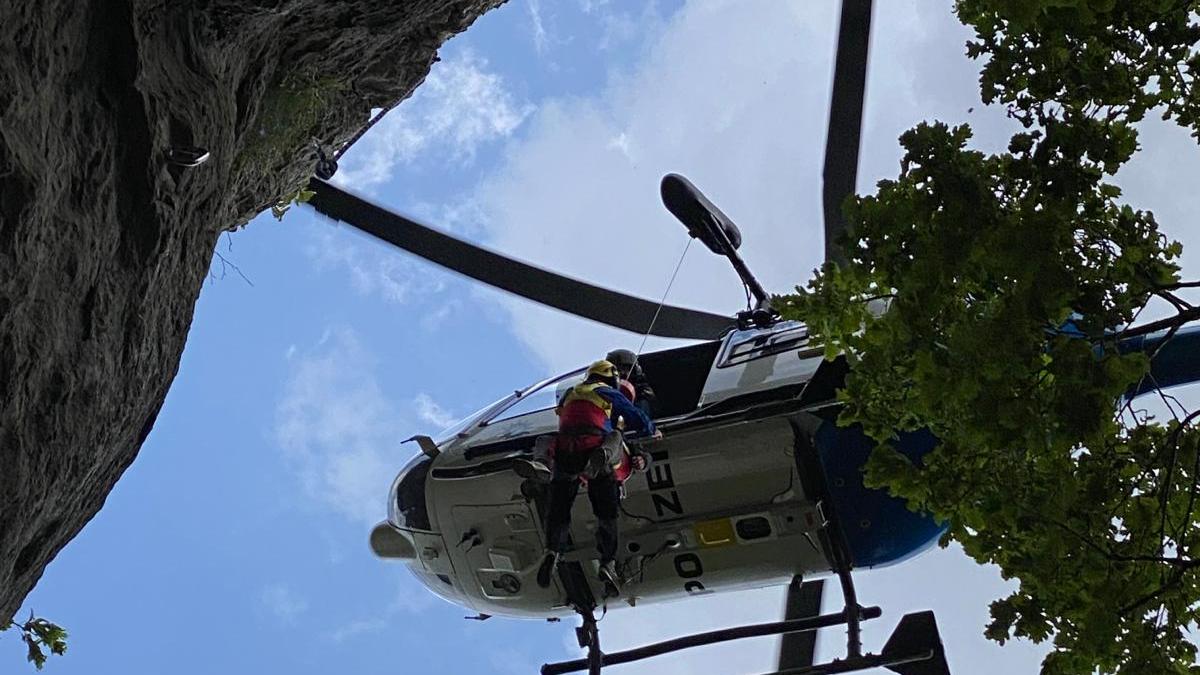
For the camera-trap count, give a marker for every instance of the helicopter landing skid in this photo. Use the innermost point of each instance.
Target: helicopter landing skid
(914, 648)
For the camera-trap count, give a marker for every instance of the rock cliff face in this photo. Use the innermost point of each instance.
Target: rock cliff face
(104, 245)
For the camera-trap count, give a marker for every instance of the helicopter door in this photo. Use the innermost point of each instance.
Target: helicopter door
(678, 376)
(504, 548)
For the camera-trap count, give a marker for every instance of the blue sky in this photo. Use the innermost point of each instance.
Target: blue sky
(236, 542)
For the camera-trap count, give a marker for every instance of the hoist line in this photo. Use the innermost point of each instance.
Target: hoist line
(638, 354)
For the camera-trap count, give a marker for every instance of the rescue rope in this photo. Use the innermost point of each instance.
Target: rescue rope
(638, 354)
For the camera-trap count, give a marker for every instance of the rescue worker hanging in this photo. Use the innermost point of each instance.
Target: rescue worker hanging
(589, 447)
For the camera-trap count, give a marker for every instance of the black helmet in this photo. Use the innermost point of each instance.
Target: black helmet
(623, 359)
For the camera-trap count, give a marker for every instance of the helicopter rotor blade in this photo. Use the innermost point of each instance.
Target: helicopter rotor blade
(534, 283)
(796, 650)
(845, 121)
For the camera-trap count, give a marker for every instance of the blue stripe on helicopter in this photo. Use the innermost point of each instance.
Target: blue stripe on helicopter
(1178, 362)
(880, 530)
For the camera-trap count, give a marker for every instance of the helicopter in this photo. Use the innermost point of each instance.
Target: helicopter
(753, 397)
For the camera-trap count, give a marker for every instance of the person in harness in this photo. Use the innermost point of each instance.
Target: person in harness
(588, 447)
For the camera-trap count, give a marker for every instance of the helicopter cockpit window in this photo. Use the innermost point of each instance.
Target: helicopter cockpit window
(450, 433)
(410, 509)
(762, 345)
(543, 398)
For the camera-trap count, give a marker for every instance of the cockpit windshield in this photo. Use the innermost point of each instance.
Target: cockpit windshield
(458, 427)
(537, 397)
(545, 397)
(531, 413)
(464, 426)
(409, 508)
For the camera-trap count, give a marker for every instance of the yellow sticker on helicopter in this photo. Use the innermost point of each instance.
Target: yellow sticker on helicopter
(715, 532)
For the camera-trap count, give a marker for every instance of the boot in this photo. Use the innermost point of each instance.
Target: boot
(532, 469)
(549, 566)
(608, 574)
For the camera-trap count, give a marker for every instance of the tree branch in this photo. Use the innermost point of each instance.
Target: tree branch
(1150, 596)
(1154, 326)
(1175, 287)
(1175, 434)
(225, 263)
(1180, 304)
(1179, 562)
(1176, 561)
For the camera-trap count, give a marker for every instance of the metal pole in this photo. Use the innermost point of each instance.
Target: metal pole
(711, 637)
(760, 294)
(853, 630)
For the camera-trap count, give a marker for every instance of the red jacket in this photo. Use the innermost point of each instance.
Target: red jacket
(585, 415)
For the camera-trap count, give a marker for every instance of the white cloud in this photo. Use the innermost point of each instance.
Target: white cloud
(460, 107)
(1161, 179)
(744, 117)
(282, 603)
(432, 321)
(429, 411)
(592, 6)
(617, 29)
(374, 269)
(625, 628)
(539, 28)
(464, 217)
(411, 597)
(579, 193)
(338, 429)
(356, 629)
(511, 661)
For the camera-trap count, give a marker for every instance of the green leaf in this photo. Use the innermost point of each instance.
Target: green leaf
(38, 633)
(35, 654)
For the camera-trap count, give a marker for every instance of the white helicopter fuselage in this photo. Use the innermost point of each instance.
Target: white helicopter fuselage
(701, 519)
(722, 506)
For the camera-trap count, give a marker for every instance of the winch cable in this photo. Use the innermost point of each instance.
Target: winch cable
(638, 354)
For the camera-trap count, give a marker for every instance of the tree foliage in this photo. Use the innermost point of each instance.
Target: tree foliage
(38, 634)
(1010, 278)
